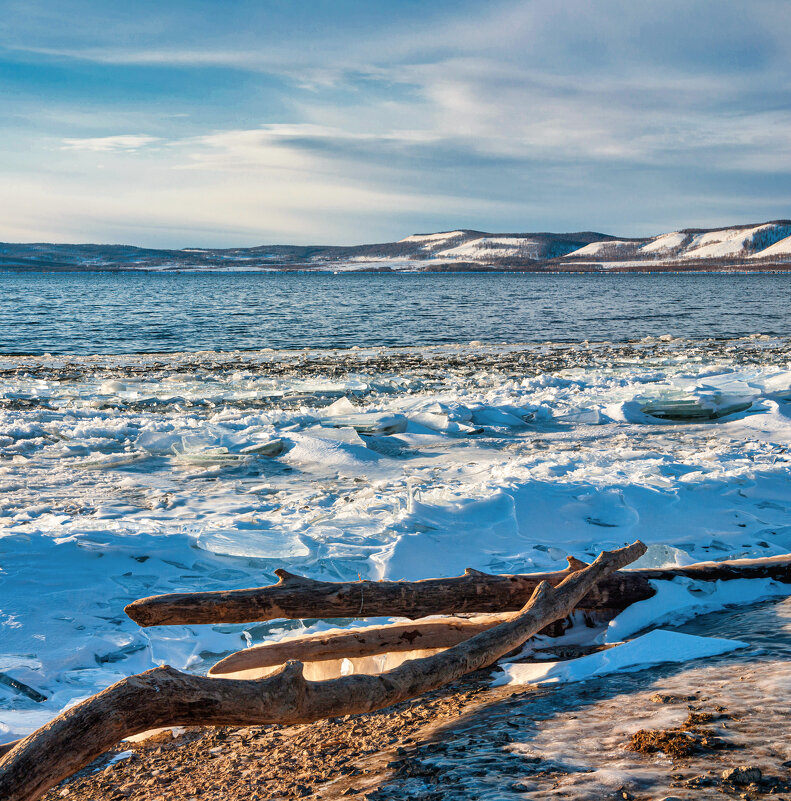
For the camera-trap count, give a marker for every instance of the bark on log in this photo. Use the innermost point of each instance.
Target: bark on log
(6, 747)
(167, 697)
(296, 597)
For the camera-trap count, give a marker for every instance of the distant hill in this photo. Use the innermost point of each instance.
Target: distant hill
(754, 247)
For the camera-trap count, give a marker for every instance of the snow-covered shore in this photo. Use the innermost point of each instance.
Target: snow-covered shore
(127, 476)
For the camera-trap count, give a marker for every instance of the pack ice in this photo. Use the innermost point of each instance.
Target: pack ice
(122, 477)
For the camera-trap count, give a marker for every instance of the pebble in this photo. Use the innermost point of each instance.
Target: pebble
(741, 776)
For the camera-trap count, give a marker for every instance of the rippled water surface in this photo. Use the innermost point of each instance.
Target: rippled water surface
(145, 312)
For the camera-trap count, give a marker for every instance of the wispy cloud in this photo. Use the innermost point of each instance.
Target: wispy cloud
(102, 144)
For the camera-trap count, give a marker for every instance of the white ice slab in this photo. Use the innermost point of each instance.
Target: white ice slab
(656, 647)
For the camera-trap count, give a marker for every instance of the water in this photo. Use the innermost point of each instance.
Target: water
(89, 313)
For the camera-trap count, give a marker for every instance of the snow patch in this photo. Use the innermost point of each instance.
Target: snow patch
(683, 598)
(655, 648)
(721, 244)
(665, 242)
(596, 248)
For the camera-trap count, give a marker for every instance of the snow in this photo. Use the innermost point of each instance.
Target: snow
(664, 242)
(682, 598)
(139, 475)
(492, 247)
(654, 648)
(597, 248)
(721, 244)
(781, 248)
(433, 239)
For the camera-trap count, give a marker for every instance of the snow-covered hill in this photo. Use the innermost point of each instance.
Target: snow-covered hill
(768, 241)
(747, 247)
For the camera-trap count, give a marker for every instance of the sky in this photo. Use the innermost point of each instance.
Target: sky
(207, 123)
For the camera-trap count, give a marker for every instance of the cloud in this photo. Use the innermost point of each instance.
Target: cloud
(102, 144)
(352, 122)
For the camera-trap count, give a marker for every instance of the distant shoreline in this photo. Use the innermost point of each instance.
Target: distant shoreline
(750, 248)
(779, 270)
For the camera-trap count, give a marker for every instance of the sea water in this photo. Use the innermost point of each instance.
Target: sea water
(132, 312)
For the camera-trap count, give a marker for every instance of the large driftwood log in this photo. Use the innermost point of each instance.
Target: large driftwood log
(167, 697)
(6, 747)
(296, 597)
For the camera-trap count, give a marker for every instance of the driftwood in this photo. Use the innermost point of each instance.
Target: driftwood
(296, 597)
(166, 697)
(423, 635)
(432, 633)
(443, 632)
(6, 747)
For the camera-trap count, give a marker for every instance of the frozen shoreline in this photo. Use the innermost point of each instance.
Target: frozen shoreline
(472, 740)
(126, 476)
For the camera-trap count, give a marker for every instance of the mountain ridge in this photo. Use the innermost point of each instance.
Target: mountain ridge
(752, 247)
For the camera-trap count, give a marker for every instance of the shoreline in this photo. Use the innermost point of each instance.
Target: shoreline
(652, 270)
(145, 474)
(472, 740)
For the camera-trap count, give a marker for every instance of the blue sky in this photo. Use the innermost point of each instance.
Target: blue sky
(240, 123)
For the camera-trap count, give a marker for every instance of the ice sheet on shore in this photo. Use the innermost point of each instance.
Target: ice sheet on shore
(654, 648)
(682, 598)
(154, 474)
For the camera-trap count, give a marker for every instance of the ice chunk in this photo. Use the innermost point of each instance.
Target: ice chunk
(211, 456)
(371, 423)
(492, 416)
(661, 555)
(701, 408)
(656, 647)
(159, 441)
(272, 448)
(441, 422)
(111, 387)
(318, 452)
(341, 406)
(261, 543)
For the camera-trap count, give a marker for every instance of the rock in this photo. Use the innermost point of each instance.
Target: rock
(741, 776)
(665, 698)
(700, 781)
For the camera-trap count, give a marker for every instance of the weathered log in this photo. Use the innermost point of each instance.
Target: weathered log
(772, 567)
(350, 643)
(432, 633)
(166, 697)
(296, 597)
